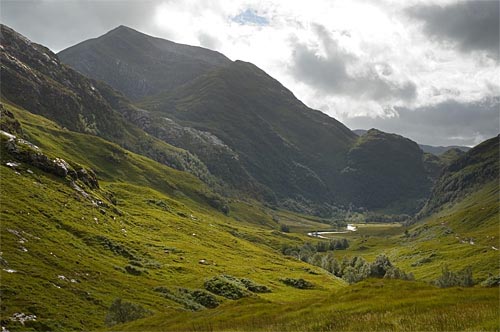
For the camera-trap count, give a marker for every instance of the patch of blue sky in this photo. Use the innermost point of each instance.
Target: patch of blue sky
(250, 17)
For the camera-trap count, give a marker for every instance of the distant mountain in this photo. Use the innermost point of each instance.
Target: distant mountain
(439, 150)
(35, 79)
(436, 150)
(387, 170)
(360, 132)
(468, 173)
(139, 65)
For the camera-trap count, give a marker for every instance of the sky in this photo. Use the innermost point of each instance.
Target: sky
(428, 70)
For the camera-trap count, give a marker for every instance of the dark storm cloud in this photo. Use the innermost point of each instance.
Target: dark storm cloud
(470, 25)
(59, 24)
(447, 123)
(330, 75)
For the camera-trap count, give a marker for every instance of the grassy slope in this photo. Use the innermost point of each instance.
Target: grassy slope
(62, 238)
(384, 304)
(375, 305)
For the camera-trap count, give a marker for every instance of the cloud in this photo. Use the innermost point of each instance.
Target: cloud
(350, 59)
(446, 123)
(59, 24)
(469, 25)
(208, 41)
(339, 72)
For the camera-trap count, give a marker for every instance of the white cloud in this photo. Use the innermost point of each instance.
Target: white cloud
(388, 45)
(378, 34)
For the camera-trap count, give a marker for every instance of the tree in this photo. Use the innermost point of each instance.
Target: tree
(380, 266)
(121, 312)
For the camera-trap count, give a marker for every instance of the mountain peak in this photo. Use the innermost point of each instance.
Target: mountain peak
(139, 65)
(123, 29)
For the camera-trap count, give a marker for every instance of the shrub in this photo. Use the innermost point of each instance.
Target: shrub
(396, 273)
(254, 287)
(121, 312)
(449, 278)
(297, 283)
(204, 298)
(492, 281)
(226, 286)
(380, 267)
(192, 299)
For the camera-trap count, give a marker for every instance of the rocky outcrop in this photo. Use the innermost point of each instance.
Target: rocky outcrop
(9, 123)
(28, 153)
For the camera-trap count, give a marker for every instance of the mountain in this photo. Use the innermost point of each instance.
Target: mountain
(96, 237)
(439, 150)
(293, 150)
(139, 65)
(140, 239)
(252, 132)
(387, 170)
(436, 150)
(35, 79)
(470, 172)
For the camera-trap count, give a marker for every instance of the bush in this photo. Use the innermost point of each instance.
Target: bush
(396, 273)
(492, 281)
(254, 287)
(192, 299)
(204, 298)
(226, 286)
(449, 278)
(380, 267)
(297, 283)
(121, 312)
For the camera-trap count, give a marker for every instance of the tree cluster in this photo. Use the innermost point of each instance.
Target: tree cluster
(308, 249)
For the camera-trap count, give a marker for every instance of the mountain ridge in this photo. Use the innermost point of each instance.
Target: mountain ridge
(435, 150)
(291, 154)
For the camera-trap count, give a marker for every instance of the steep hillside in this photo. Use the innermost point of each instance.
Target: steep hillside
(295, 151)
(478, 167)
(220, 159)
(34, 78)
(387, 171)
(139, 231)
(139, 65)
